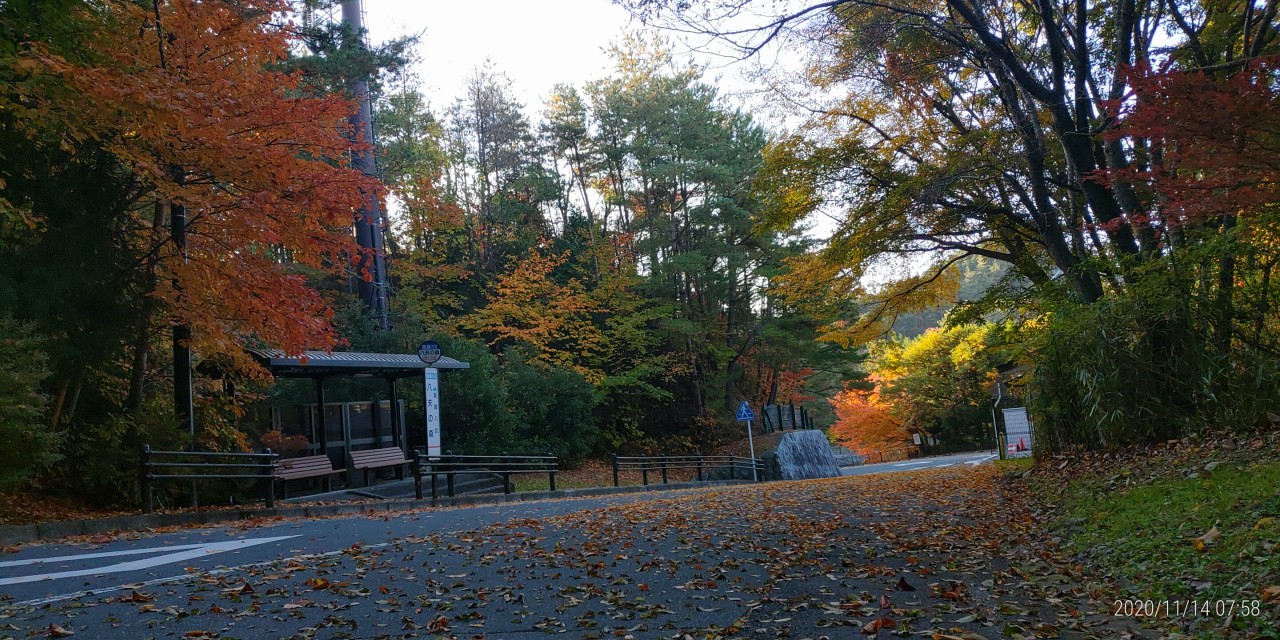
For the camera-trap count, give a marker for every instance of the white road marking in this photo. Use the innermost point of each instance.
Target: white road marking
(87, 593)
(103, 554)
(186, 552)
(981, 460)
(908, 464)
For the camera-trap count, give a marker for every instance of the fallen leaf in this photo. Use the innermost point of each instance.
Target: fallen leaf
(1205, 541)
(55, 631)
(876, 625)
(439, 625)
(139, 597)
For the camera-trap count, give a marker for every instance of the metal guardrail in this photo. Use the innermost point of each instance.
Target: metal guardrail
(205, 465)
(778, 417)
(665, 464)
(450, 465)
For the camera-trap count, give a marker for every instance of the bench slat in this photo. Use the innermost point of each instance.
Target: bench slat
(304, 467)
(377, 458)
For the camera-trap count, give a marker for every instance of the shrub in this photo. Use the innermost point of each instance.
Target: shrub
(551, 407)
(475, 419)
(1139, 369)
(29, 445)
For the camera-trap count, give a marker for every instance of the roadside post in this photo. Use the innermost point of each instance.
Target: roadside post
(429, 352)
(746, 414)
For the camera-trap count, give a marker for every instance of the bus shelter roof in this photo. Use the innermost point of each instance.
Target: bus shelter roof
(312, 364)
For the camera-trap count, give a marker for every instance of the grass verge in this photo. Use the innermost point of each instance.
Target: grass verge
(1206, 534)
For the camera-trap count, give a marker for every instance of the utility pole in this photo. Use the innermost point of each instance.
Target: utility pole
(183, 391)
(369, 218)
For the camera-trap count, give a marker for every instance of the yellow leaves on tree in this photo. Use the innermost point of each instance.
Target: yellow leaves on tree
(864, 421)
(189, 97)
(827, 289)
(527, 305)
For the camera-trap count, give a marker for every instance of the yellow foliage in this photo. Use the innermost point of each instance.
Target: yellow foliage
(935, 287)
(527, 305)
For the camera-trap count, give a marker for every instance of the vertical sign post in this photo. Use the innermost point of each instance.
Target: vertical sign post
(431, 386)
(745, 414)
(429, 353)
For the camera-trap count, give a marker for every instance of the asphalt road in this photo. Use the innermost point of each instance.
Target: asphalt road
(910, 552)
(937, 462)
(94, 566)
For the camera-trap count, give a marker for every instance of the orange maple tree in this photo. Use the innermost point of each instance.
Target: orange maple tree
(193, 99)
(771, 381)
(865, 422)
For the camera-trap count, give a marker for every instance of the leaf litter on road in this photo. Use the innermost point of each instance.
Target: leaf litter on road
(942, 553)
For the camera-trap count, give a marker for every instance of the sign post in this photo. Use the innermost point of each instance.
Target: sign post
(429, 353)
(746, 414)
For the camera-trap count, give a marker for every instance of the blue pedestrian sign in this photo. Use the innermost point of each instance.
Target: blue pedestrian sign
(745, 412)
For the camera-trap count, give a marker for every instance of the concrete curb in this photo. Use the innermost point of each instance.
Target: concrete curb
(48, 531)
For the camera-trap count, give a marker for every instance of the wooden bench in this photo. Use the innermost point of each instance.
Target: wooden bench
(305, 467)
(377, 459)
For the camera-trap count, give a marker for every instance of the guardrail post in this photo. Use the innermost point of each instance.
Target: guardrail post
(148, 505)
(644, 471)
(664, 469)
(448, 476)
(417, 474)
(554, 464)
(506, 472)
(269, 468)
(699, 466)
(615, 470)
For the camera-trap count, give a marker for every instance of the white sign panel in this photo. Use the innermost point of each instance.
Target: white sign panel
(1017, 432)
(431, 387)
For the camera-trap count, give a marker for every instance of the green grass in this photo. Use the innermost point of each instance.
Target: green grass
(539, 482)
(1145, 535)
(1014, 465)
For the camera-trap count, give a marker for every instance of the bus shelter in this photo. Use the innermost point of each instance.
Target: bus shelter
(319, 366)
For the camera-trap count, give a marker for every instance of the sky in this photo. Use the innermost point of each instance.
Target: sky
(538, 43)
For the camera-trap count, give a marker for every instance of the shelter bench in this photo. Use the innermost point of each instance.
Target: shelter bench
(305, 467)
(377, 459)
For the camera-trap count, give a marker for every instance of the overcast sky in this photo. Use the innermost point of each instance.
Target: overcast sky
(538, 43)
